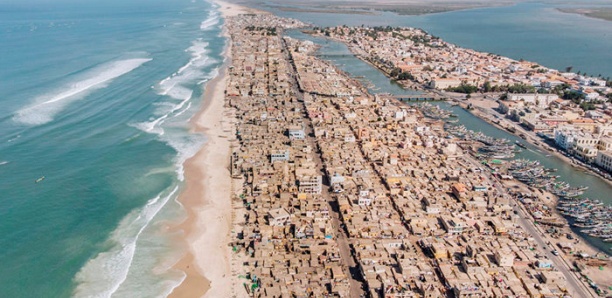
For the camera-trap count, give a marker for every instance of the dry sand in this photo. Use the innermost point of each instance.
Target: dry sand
(207, 194)
(230, 9)
(206, 199)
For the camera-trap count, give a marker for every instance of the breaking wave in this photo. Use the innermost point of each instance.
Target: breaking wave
(45, 107)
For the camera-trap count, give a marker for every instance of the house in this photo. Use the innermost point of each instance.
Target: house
(279, 155)
(441, 84)
(296, 132)
(310, 184)
(453, 226)
(504, 258)
(459, 190)
(604, 160)
(278, 217)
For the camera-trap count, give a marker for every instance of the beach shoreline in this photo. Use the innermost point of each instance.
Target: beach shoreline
(206, 197)
(208, 167)
(209, 265)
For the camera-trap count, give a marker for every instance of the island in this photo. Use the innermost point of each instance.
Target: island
(336, 191)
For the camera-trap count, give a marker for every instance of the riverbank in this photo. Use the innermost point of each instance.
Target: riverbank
(405, 8)
(207, 194)
(485, 111)
(567, 244)
(549, 243)
(602, 13)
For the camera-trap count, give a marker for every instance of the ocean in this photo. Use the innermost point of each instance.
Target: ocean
(96, 99)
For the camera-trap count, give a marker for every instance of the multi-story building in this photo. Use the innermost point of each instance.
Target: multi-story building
(540, 100)
(604, 160)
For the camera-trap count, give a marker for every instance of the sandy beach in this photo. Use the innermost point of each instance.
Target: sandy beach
(207, 194)
(208, 208)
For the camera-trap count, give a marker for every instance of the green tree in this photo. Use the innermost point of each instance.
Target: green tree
(395, 72)
(586, 106)
(521, 88)
(487, 87)
(573, 95)
(405, 76)
(464, 88)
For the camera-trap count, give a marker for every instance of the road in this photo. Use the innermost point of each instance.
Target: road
(347, 257)
(575, 287)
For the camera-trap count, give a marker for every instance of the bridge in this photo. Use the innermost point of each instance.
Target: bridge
(416, 97)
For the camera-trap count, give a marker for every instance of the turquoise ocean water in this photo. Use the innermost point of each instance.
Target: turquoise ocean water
(96, 98)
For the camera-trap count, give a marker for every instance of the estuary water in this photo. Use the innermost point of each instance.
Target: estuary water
(532, 31)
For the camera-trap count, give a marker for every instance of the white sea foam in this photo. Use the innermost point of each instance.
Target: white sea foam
(103, 275)
(154, 126)
(14, 138)
(172, 115)
(46, 106)
(186, 147)
(173, 85)
(3, 162)
(211, 21)
(179, 88)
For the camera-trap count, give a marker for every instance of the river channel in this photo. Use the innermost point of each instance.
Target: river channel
(339, 54)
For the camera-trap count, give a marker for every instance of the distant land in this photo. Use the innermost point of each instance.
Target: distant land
(323, 10)
(370, 7)
(603, 13)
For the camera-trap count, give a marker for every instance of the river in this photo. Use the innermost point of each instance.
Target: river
(340, 55)
(532, 31)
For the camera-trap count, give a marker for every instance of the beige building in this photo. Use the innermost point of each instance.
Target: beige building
(540, 100)
(278, 217)
(442, 84)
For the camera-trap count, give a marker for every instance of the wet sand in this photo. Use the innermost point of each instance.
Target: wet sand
(207, 194)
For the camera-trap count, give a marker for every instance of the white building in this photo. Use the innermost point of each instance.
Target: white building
(591, 95)
(279, 155)
(296, 133)
(564, 137)
(278, 217)
(604, 160)
(587, 153)
(336, 179)
(364, 201)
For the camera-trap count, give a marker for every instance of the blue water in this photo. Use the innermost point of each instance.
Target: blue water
(96, 98)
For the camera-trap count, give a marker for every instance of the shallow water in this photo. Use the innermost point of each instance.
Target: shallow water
(96, 99)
